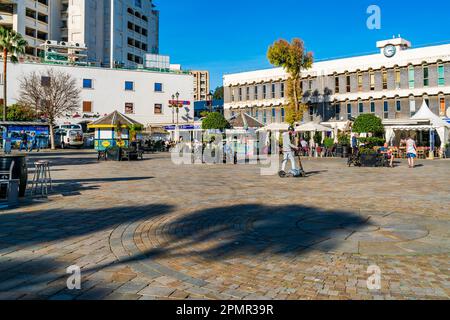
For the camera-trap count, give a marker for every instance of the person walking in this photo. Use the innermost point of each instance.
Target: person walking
(23, 141)
(411, 151)
(31, 142)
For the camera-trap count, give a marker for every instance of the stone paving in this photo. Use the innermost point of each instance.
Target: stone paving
(153, 230)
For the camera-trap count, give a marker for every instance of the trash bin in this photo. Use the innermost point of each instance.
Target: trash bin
(20, 170)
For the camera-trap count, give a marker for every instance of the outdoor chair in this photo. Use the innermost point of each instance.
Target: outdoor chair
(12, 185)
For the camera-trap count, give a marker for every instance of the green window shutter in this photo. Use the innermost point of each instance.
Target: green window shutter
(441, 79)
(411, 77)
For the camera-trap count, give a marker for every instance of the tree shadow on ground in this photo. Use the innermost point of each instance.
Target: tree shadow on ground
(254, 230)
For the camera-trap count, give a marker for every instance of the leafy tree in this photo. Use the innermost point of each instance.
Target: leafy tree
(53, 99)
(218, 93)
(17, 112)
(215, 120)
(12, 44)
(294, 58)
(369, 123)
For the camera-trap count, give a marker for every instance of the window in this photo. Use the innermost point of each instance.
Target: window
(282, 115)
(282, 90)
(411, 77)
(45, 81)
(129, 85)
(232, 95)
(87, 84)
(337, 110)
(247, 93)
(310, 85)
(398, 106)
(349, 108)
(348, 84)
(240, 94)
(274, 114)
(264, 92)
(442, 107)
(360, 82)
(361, 107)
(426, 75)
(158, 87)
(386, 109)
(336, 84)
(397, 79)
(87, 106)
(256, 92)
(264, 116)
(441, 79)
(372, 81)
(129, 108)
(273, 90)
(385, 79)
(158, 108)
(256, 113)
(372, 107)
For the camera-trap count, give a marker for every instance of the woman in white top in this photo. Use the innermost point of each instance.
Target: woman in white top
(411, 151)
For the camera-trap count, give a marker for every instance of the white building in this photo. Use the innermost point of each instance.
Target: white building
(143, 95)
(133, 33)
(392, 84)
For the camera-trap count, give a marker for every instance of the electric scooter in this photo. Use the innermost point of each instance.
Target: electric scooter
(294, 173)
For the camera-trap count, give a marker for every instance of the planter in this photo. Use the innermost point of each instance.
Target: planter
(20, 170)
(346, 151)
(114, 154)
(339, 151)
(369, 160)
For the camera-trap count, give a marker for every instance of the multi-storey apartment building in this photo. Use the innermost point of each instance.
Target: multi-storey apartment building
(392, 84)
(134, 30)
(31, 18)
(201, 85)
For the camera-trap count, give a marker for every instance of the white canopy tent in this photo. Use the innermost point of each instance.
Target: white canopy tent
(423, 120)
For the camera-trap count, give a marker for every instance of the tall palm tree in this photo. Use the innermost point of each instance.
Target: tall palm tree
(12, 44)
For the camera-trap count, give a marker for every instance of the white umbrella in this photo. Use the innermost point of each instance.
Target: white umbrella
(312, 127)
(276, 127)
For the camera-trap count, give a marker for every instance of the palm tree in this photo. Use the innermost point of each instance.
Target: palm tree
(13, 45)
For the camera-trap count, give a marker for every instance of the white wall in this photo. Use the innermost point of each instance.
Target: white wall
(109, 92)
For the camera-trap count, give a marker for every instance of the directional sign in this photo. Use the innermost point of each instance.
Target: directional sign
(179, 102)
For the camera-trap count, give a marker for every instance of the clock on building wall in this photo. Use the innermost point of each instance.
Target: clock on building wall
(390, 51)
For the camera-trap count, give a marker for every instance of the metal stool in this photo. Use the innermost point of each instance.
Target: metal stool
(42, 178)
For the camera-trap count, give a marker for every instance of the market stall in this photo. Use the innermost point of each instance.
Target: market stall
(114, 130)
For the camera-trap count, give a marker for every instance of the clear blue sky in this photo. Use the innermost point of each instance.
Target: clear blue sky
(233, 36)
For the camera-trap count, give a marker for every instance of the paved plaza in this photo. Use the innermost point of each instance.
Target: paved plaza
(154, 230)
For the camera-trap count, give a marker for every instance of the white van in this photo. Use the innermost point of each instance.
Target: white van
(68, 136)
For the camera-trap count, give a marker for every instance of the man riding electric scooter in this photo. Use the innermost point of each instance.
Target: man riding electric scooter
(289, 155)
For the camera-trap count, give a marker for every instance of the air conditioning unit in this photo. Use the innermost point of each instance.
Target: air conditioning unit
(51, 42)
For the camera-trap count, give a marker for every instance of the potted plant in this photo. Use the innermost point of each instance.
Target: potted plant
(372, 126)
(343, 146)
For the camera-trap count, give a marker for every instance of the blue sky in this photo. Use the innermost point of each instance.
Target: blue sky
(233, 36)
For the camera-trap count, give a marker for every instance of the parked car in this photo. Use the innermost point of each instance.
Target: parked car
(65, 138)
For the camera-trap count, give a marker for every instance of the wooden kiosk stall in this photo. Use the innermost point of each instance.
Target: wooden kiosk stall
(115, 135)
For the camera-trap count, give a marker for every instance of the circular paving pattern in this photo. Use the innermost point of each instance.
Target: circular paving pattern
(203, 249)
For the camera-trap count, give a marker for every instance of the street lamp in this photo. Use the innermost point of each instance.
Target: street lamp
(209, 102)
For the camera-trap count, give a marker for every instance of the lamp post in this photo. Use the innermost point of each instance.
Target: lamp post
(209, 98)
